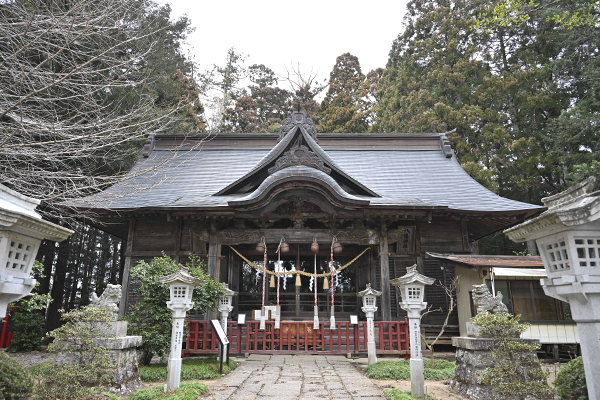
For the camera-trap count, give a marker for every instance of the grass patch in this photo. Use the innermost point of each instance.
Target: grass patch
(397, 394)
(38, 370)
(197, 368)
(187, 391)
(400, 370)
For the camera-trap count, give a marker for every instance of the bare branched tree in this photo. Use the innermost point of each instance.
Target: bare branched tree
(450, 291)
(74, 101)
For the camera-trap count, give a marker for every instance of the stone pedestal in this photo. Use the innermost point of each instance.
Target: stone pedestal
(473, 356)
(122, 352)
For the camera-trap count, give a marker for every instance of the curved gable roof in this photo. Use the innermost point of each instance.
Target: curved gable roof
(298, 131)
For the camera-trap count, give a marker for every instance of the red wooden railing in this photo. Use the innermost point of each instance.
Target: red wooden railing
(5, 334)
(294, 337)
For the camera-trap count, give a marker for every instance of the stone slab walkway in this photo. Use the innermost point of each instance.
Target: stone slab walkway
(295, 377)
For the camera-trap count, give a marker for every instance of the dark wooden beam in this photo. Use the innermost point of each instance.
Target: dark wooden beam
(384, 264)
(250, 236)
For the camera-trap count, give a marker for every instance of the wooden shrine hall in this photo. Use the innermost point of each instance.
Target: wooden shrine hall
(395, 195)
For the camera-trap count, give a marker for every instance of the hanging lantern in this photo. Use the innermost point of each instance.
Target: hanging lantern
(325, 284)
(272, 281)
(260, 247)
(337, 247)
(298, 281)
(314, 247)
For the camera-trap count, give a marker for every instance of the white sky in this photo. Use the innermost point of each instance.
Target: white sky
(280, 33)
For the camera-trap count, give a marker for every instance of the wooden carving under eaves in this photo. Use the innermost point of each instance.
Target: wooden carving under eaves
(298, 119)
(299, 155)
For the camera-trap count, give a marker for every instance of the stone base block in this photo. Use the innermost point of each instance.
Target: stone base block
(473, 356)
(122, 352)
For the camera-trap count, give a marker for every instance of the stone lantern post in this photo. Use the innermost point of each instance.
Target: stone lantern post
(225, 308)
(181, 286)
(412, 290)
(369, 298)
(568, 238)
(21, 232)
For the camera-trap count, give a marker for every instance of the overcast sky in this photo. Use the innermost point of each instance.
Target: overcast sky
(280, 33)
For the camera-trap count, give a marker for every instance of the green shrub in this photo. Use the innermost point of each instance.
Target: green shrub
(187, 391)
(15, 380)
(41, 369)
(517, 372)
(191, 369)
(28, 331)
(90, 369)
(570, 382)
(150, 317)
(400, 370)
(397, 394)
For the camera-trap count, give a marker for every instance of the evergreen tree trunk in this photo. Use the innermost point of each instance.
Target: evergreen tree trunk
(114, 270)
(46, 255)
(58, 286)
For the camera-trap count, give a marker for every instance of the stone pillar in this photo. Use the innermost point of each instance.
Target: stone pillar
(371, 346)
(417, 379)
(174, 366)
(587, 316)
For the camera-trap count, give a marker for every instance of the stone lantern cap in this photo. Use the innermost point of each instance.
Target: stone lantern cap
(181, 276)
(369, 291)
(412, 276)
(17, 214)
(576, 206)
(229, 292)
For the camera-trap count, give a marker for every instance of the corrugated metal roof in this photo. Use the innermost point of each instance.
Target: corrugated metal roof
(492, 261)
(402, 177)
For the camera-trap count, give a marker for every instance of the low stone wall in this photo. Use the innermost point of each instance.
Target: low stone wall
(473, 356)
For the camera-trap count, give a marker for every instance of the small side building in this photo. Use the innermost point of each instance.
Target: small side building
(518, 279)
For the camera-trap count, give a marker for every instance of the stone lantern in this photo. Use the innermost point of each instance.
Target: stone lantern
(21, 232)
(225, 308)
(181, 286)
(412, 290)
(369, 299)
(568, 237)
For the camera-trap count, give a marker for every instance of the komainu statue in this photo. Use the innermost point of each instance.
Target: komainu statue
(108, 299)
(484, 301)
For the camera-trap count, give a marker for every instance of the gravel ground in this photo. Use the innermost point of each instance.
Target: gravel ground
(27, 359)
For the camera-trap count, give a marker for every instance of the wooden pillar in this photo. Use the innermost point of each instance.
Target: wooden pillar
(214, 250)
(178, 239)
(126, 269)
(384, 265)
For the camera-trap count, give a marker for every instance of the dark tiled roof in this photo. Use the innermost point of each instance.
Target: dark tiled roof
(411, 171)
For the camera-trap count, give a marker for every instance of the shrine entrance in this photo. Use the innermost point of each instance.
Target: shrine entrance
(297, 301)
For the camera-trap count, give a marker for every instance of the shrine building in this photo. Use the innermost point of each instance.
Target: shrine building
(391, 198)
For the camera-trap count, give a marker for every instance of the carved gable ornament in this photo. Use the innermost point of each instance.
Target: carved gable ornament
(299, 155)
(299, 119)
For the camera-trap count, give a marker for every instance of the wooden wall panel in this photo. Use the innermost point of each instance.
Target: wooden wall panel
(155, 233)
(441, 236)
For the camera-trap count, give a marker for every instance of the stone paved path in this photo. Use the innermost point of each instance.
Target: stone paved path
(295, 377)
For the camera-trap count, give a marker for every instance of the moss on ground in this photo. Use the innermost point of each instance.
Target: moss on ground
(400, 370)
(197, 368)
